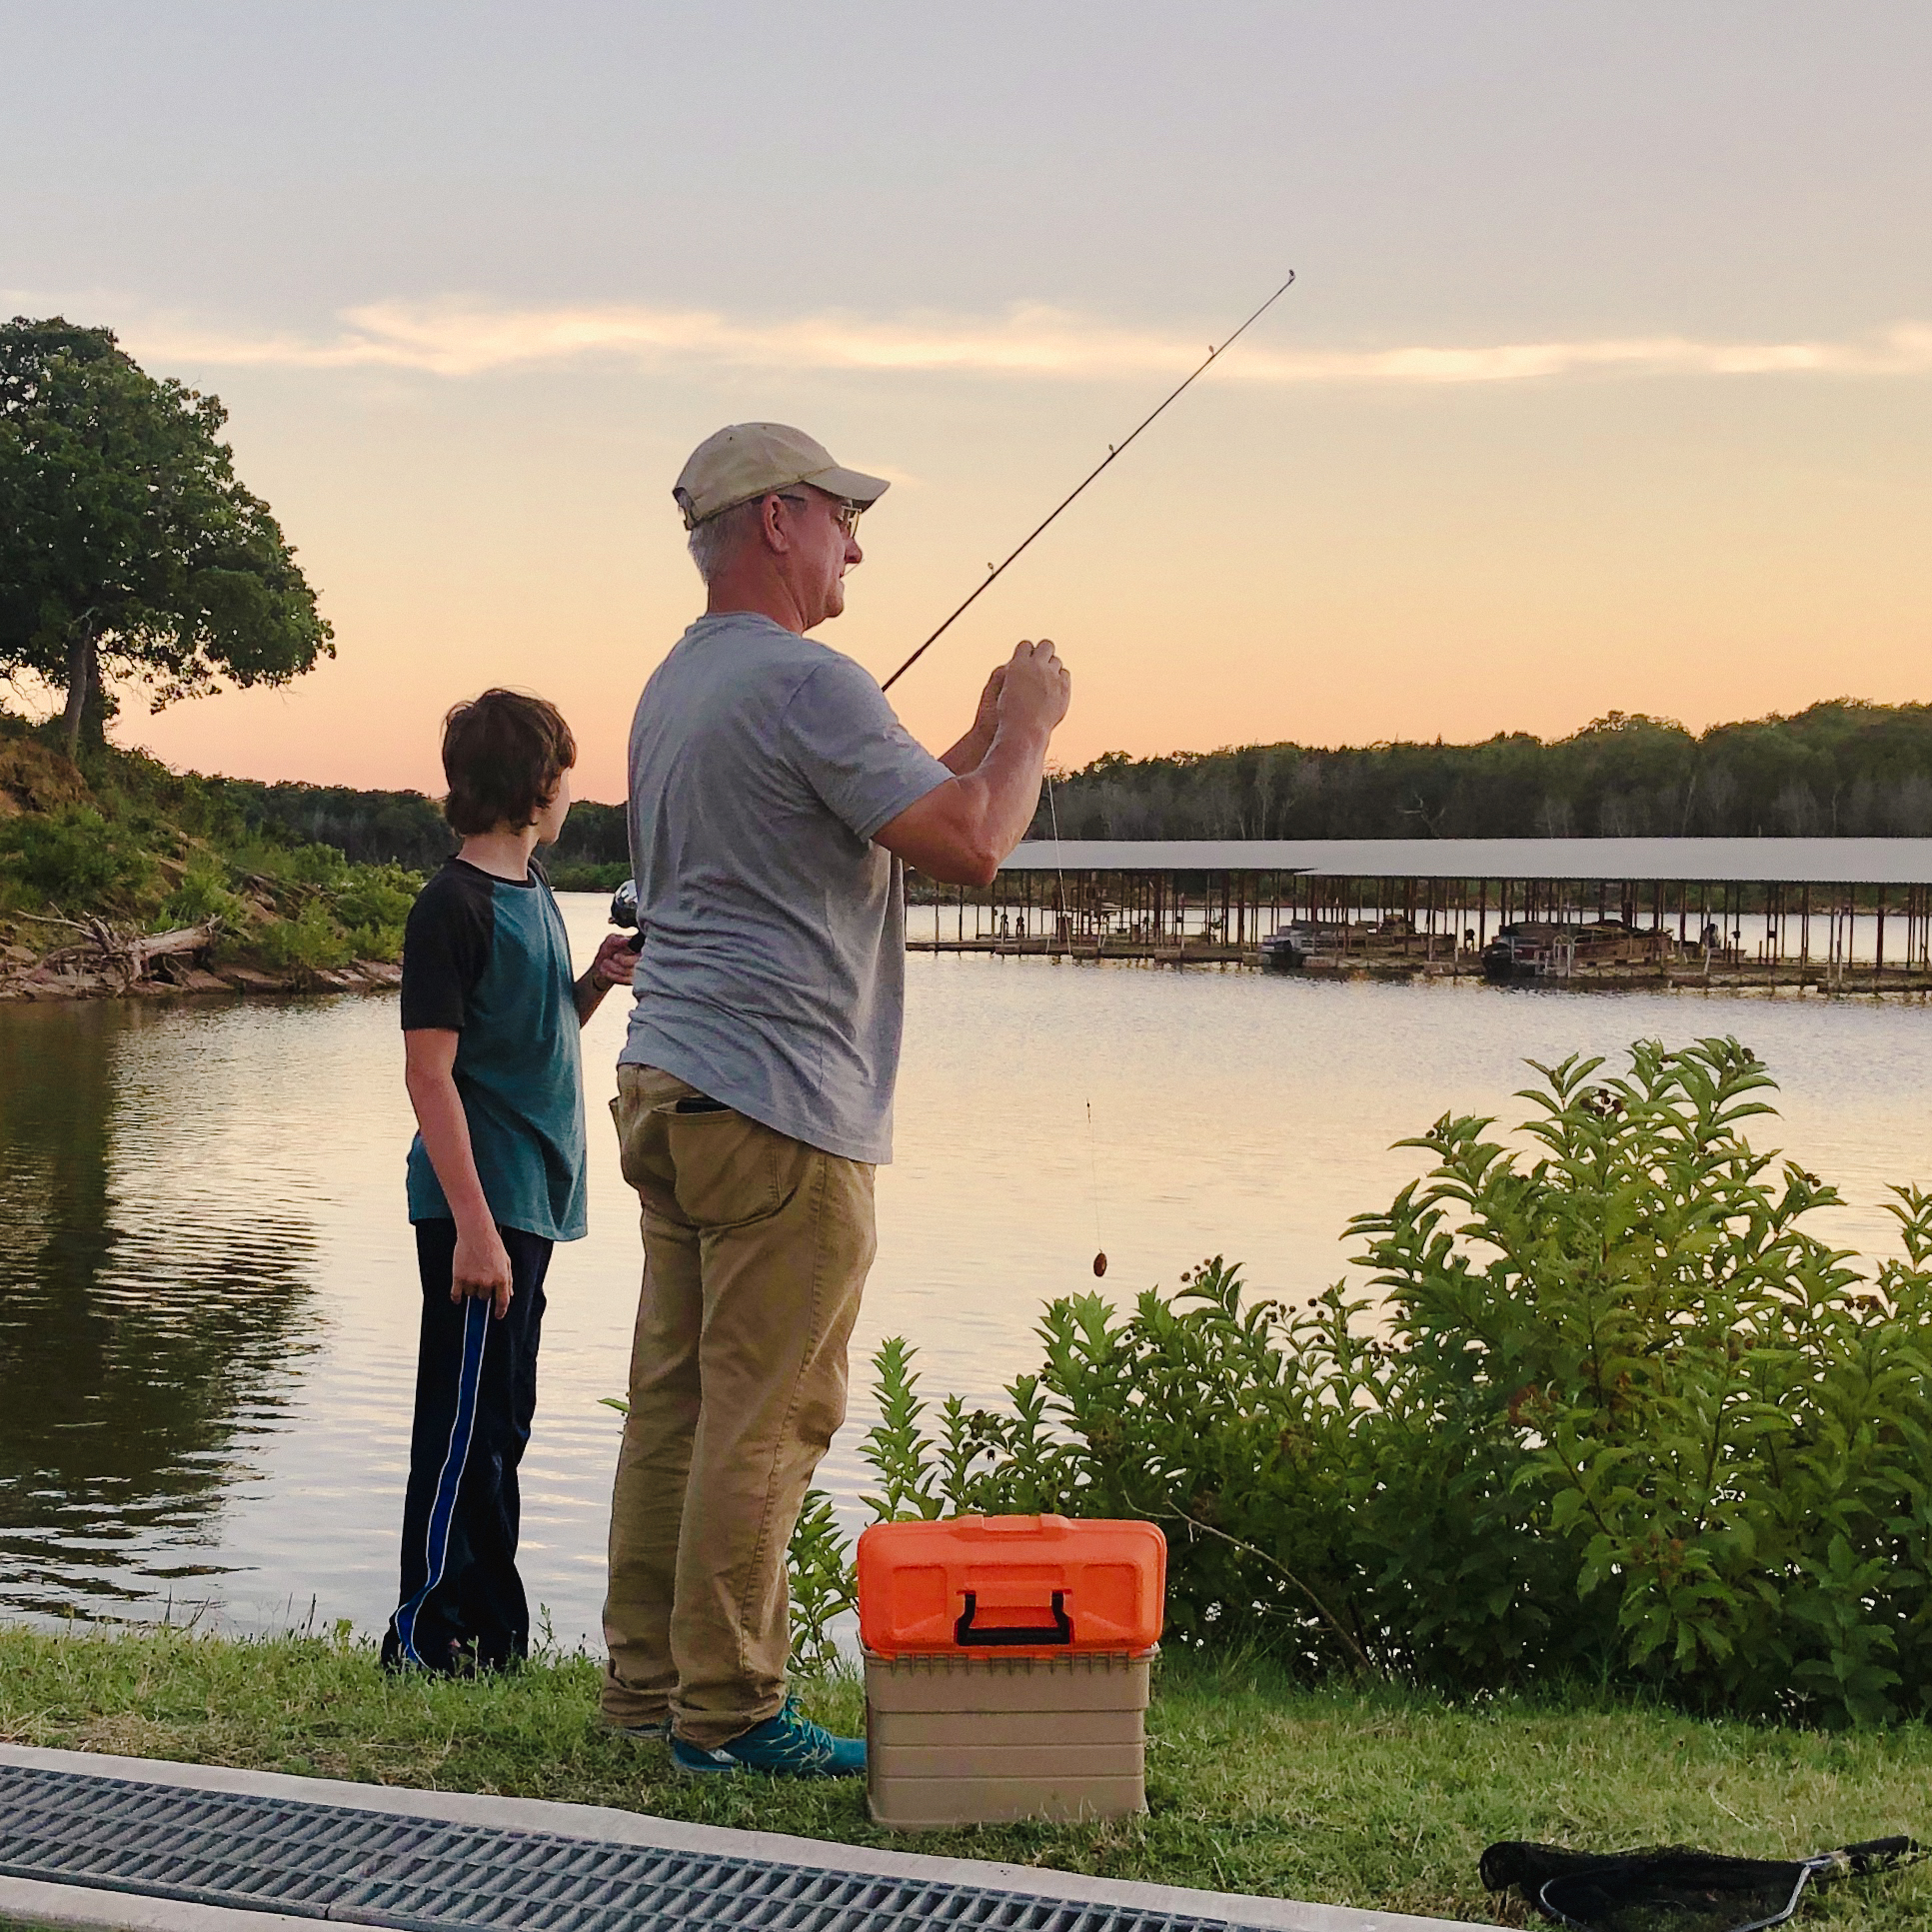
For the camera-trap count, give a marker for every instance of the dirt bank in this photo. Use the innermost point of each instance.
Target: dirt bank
(23, 976)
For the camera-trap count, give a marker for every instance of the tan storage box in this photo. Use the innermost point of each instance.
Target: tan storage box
(987, 1740)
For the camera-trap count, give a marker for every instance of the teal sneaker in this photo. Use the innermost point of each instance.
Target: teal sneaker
(789, 1745)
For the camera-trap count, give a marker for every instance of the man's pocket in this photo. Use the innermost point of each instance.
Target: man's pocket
(725, 1168)
(697, 1161)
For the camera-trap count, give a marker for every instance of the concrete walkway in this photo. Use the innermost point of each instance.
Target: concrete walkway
(39, 1902)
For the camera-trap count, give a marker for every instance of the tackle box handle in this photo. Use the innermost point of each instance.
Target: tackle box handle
(1059, 1631)
(988, 1526)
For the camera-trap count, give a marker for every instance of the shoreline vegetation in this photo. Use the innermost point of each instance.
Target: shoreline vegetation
(1616, 1412)
(121, 878)
(251, 886)
(1373, 1796)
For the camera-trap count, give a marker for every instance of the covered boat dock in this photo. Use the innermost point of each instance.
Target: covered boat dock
(1831, 912)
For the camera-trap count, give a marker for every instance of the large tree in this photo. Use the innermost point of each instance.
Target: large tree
(128, 547)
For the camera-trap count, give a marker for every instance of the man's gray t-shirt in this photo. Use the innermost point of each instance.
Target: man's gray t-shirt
(773, 966)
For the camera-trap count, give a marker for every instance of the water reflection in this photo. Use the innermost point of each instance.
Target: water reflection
(207, 1295)
(149, 1317)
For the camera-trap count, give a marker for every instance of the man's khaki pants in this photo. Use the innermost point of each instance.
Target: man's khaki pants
(756, 1251)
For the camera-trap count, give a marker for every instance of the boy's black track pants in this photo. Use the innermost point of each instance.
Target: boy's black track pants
(462, 1601)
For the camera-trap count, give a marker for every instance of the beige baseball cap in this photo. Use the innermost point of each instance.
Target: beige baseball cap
(746, 459)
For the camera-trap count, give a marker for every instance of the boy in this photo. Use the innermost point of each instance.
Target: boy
(496, 1172)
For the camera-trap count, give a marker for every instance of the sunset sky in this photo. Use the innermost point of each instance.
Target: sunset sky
(1606, 380)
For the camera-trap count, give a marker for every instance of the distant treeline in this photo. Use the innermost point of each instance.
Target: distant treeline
(1845, 768)
(407, 829)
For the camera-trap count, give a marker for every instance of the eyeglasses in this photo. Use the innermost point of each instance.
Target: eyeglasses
(843, 513)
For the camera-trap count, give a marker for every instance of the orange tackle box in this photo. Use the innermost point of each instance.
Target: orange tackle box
(1007, 1667)
(1033, 1586)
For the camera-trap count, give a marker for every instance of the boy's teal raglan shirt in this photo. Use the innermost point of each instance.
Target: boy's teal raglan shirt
(488, 959)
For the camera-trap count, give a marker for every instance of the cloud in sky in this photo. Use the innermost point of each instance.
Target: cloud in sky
(460, 339)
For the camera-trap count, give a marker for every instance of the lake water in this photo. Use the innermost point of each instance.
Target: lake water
(208, 1295)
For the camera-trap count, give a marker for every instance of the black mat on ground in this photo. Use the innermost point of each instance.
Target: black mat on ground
(377, 1868)
(1674, 1888)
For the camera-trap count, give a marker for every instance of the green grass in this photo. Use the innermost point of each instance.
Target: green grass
(1371, 1798)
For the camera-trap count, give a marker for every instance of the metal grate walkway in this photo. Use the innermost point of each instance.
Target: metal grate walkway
(377, 1868)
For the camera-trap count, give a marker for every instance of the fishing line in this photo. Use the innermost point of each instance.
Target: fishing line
(994, 571)
(1092, 1142)
(1094, 1163)
(1060, 878)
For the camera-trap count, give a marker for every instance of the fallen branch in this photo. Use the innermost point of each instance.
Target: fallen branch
(128, 954)
(184, 939)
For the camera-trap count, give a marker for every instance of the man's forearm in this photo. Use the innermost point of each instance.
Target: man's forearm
(1007, 782)
(964, 830)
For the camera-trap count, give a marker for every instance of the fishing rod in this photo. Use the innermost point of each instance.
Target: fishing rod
(994, 572)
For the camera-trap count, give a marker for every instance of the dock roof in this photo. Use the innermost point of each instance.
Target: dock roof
(1793, 861)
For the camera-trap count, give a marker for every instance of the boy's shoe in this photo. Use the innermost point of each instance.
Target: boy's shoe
(789, 1745)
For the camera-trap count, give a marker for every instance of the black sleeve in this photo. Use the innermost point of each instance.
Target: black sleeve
(446, 946)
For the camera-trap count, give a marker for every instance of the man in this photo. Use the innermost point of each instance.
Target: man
(775, 799)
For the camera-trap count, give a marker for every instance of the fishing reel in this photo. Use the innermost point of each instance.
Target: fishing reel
(623, 912)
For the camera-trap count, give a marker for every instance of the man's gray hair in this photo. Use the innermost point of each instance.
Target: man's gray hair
(715, 542)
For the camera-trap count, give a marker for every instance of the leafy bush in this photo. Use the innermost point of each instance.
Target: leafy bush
(375, 896)
(276, 865)
(202, 895)
(311, 942)
(1727, 1426)
(1619, 1416)
(605, 878)
(74, 859)
(373, 903)
(314, 886)
(824, 1588)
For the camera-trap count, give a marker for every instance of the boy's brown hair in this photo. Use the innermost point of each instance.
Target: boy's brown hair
(502, 755)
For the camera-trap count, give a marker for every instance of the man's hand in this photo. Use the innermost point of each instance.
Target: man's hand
(960, 830)
(480, 1267)
(970, 752)
(1036, 689)
(616, 960)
